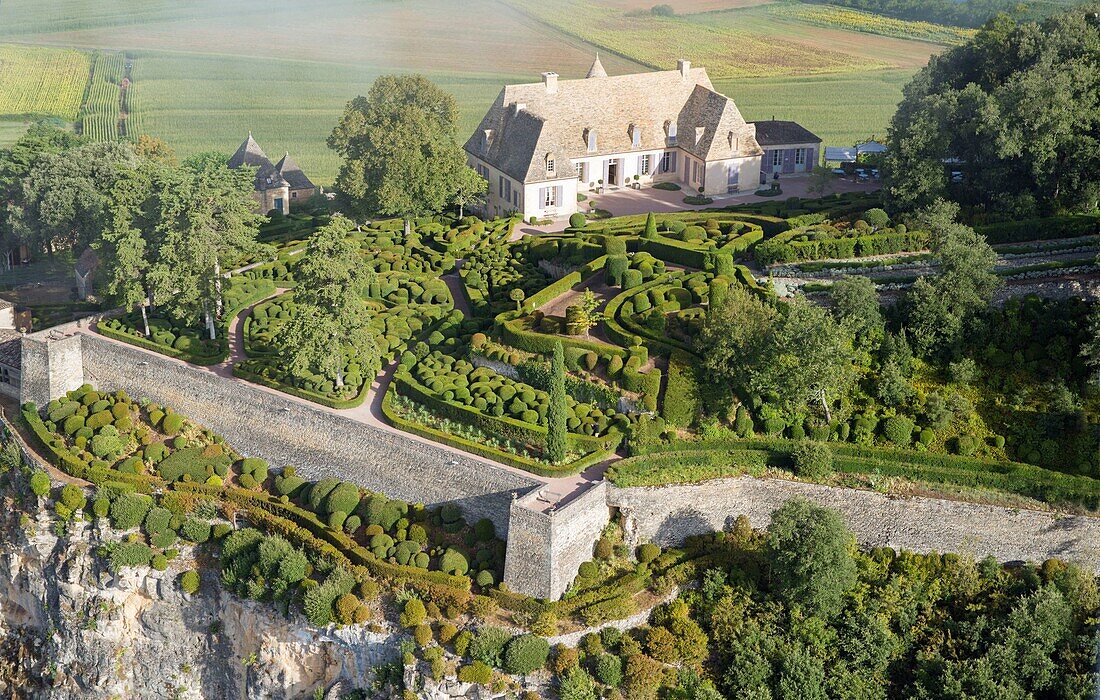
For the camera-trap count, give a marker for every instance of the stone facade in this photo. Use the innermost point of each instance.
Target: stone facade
(51, 365)
(666, 515)
(318, 442)
(545, 549)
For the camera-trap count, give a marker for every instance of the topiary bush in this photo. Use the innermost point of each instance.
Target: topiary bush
(812, 460)
(525, 653)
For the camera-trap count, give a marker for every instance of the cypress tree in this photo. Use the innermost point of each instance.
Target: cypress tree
(650, 226)
(559, 409)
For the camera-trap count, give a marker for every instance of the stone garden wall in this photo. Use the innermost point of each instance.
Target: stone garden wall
(318, 442)
(668, 514)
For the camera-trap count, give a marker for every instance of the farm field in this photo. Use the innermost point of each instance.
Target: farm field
(855, 20)
(11, 131)
(41, 81)
(841, 109)
(206, 73)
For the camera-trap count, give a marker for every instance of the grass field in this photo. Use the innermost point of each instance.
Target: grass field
(11, 131)
(854, 20)
(841, 109)
(41, 81)
(208, 71)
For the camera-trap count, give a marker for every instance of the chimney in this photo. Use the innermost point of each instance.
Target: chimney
(683, 65)
(550, 80)
(520, 106)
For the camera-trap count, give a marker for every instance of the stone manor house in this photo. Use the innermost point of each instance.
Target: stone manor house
(277, 185)
(540, 144)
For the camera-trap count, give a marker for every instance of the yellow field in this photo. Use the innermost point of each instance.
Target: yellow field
(726, 51)
(42, 81)
(870, 23)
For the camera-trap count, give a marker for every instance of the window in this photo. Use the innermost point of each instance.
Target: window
(800, 156)
(733, 178)
(777, 158)
(643, 165)
(592, 146)
(278, 204)
(635, 136)
(550, 165)
(666, 162)
(5, 378)
(500, 182)
(507, 189)
(515, 198)
(294, 195)
(549, 197)
(670, 127)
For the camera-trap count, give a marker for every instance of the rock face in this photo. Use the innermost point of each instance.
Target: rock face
(69, 628)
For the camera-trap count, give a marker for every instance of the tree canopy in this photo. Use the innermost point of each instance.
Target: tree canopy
(1016, 110)
(400, 156)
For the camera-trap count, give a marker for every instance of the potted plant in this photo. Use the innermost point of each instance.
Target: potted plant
(637, 183)
(600, 189)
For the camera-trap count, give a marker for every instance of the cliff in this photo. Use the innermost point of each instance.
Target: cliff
(69, 628)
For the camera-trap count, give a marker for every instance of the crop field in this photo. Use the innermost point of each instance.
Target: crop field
(856, 20)
(727, 50)
(207, 72)
(99, 114)
(41, 81)
(841, 109)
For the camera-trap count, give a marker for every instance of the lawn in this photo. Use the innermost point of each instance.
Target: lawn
(41, 81)
(11, 131)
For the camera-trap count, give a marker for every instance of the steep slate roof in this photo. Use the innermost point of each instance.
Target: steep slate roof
(11, 348)
(557, 122)
(250, 154)
(596, 71)
(779, 133)
(293, 175)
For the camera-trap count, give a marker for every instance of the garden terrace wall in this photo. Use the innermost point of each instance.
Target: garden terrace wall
(668, 515)
(318, 442)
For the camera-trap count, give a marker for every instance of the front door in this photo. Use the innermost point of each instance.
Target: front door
(613, 172)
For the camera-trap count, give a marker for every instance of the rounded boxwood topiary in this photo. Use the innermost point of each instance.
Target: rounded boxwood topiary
(525, 654)
(648, 552)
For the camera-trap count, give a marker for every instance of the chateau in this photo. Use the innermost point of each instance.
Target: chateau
(277, 185)
(540, 144)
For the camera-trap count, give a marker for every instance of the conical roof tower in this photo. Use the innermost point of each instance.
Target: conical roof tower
(596, 71)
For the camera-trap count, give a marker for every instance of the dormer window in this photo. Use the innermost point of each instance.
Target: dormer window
(550, 164)
(735, 142)
(486, 137)
(700, 131)
(590, 137)
(670, 132)
(635, 136)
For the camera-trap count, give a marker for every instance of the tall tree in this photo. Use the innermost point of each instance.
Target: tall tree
(400, 156)
(331, 314)
(207, 222)
(1017, 107)
(857, 306)
(810, 554)
(64, 201)
(557, 415)
(127, 243)
(937, 312)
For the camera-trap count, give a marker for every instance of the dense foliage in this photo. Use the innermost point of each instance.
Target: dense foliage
(1016, 110)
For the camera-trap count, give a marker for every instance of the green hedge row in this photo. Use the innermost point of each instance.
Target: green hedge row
(681, 403)
(556, 289)
(512, 332)
(781, 249)
(508, 428)
(1041, 229)
(1010, 477)
(242, 372)
(486, 451)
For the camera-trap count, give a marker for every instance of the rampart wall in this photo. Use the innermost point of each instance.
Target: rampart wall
(319, 443)
(668, 514)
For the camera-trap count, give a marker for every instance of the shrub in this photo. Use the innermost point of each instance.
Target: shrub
(346, 605)
(462, 642)
(648, 552)
(423, 635)
(129, 509)
(877, 218)
(452, 562)
(130, 554)
(610, 637)
(588, 570)
(157, 520)
(159, 562)
(812, 460)
(577, 220)
(477, 672)
(485, 579)
(525, 653)
(101, 507)
(609, 669)
(414, 613)
(172, 424)
(195, 530)
(190, 581)
(898, 430)
(488, 645)
(40, 484)
(73, 497)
